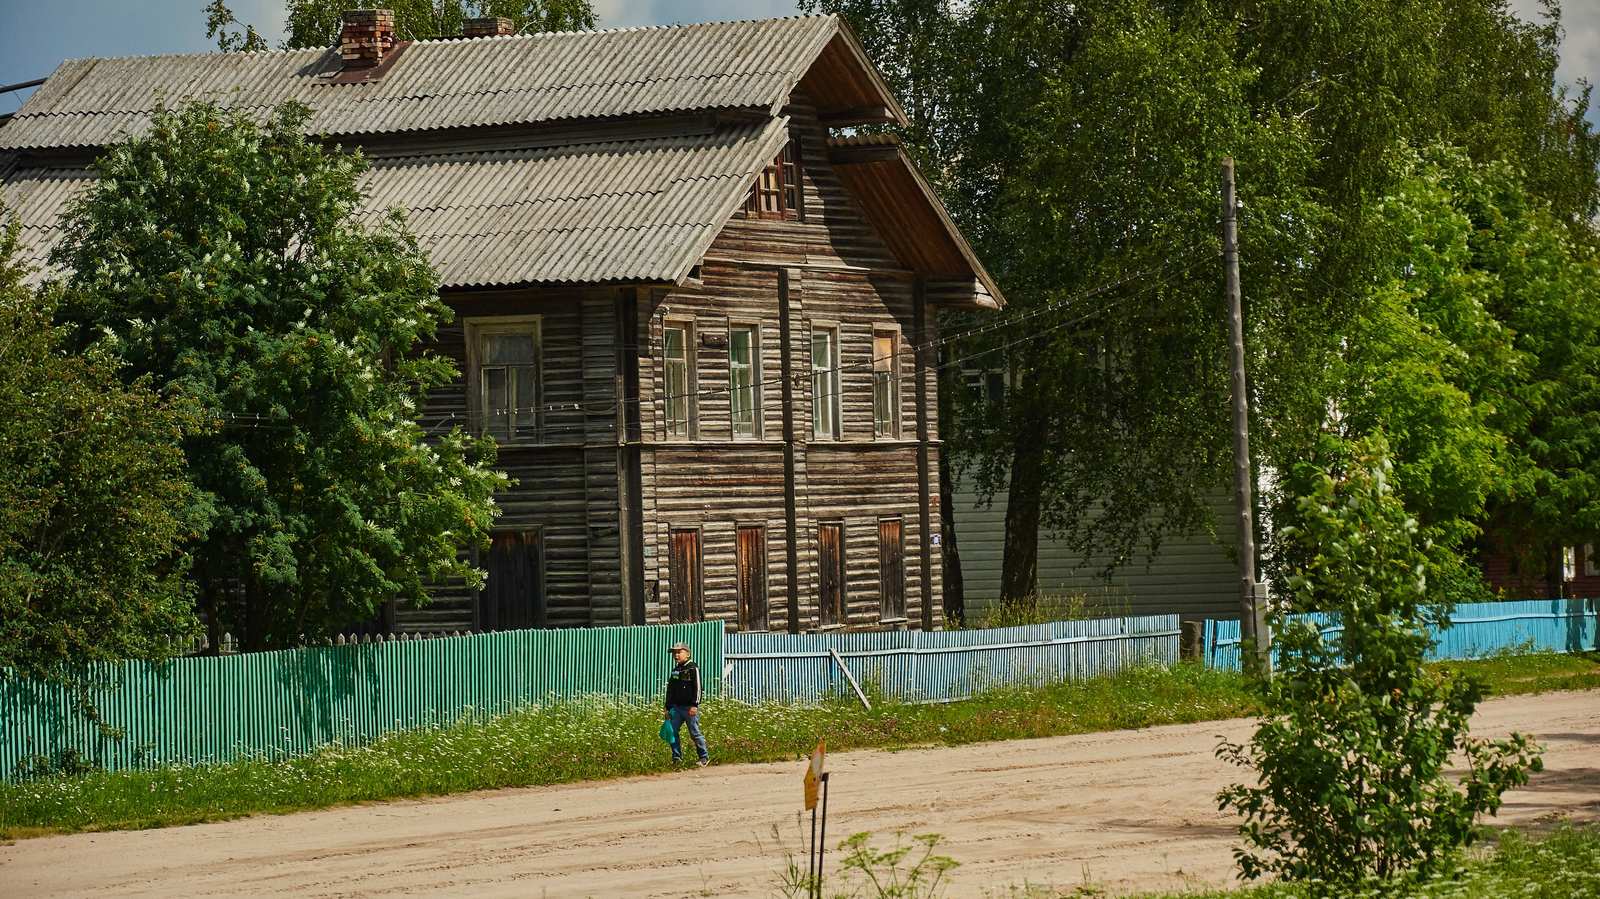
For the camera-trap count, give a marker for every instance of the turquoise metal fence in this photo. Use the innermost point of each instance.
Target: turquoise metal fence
(940, 665)
(206, 709)
(1477, 630)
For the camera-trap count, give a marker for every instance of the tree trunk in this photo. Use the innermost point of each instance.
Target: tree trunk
(955, 592)
(1019, 579)
(208, 603)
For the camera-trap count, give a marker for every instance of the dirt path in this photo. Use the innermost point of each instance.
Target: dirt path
(1126, 810)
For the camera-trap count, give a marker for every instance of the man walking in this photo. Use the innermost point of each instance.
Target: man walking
(683, 703)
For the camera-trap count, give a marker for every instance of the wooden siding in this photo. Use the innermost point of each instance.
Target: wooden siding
(840, 275)
(1193, 574)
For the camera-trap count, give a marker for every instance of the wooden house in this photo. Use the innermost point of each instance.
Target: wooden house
(696, 317)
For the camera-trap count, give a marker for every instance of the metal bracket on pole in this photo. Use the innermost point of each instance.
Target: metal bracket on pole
(850, 677)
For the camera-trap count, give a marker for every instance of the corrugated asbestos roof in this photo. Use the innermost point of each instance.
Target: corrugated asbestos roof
(642, 210)
(522, 79)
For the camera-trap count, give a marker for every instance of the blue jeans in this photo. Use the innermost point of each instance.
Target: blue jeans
(679, 716)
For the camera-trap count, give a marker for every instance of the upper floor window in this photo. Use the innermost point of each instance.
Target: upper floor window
(677, 364)
(776, 193)
(744, 380)
(508, 371)
(885, 384)
(825, 383)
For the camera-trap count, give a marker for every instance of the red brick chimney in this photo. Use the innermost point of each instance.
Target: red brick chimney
(367, 37)
(493, 26)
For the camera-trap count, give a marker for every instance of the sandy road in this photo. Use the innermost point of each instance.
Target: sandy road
(1126, 810)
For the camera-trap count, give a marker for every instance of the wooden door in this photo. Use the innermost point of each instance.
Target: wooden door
(830, 573)
(686, 602)
(891, 568)
(751, 553)
(513, 595)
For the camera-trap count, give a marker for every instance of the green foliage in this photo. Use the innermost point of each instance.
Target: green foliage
(1356, 734)
(95, 507)
(1076, 144)
(226, 262)
(223, 25)
(316, 23)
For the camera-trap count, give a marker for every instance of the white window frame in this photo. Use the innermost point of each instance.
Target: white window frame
(1569, 563)
(757, 423)
(691, 364)
(476, 331)
(894, 399)
(826, 383)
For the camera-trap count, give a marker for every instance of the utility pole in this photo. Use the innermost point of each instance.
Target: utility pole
(1253, 654)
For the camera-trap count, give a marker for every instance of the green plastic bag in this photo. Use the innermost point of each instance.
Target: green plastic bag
(669, 734)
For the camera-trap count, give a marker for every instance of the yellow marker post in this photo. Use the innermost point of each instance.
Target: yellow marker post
(816, 781)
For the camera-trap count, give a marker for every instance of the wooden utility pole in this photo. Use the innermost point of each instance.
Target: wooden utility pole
(1252, 649)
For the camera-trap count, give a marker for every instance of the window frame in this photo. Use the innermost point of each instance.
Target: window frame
(835, 409)
(691, 364)
(1569, 563)
(758, 422)
(697, 600)
(783, 179)
(894, 399)
(1590, 569)
(475, 332)
(836, 616)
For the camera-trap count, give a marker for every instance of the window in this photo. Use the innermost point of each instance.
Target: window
(825, 384)
(751, 552)
(744, 380)
(885, 385)
(513, 594)
(777, 192)
(686, 600)
(1569, 563)
(510, 390)
(1591, 567)
(830, 573)
(891, 569)
(677, 364)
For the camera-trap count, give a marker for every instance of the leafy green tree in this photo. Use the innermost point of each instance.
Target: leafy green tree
(316, 23)
(228, 262)
(96, 508)
(223, 25)
(1356, 737)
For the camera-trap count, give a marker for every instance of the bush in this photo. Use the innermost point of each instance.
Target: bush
(1356, 733)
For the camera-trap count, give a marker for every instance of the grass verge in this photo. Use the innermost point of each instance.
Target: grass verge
(600, 739)
(1560, 865)
(594, 740)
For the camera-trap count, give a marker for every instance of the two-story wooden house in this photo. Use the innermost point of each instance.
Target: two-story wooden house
(697, 320)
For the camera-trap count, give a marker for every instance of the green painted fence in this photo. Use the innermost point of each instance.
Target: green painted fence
(209, 709)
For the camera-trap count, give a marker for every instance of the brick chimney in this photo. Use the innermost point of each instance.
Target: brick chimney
(493, 26)
(367, 37)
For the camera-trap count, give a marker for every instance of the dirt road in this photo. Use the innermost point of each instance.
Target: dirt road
(1125, 810)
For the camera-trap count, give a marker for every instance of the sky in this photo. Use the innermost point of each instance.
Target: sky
(35, 35)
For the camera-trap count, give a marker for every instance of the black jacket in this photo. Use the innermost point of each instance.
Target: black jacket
(683, 684)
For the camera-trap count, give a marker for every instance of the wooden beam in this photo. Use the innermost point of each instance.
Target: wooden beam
(858, 115)
(790, 516)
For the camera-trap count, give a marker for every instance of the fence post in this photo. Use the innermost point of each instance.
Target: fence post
(1192, 641)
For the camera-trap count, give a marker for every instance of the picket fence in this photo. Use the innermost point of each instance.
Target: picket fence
(1476, 630)
(218, 708)
(921, 666)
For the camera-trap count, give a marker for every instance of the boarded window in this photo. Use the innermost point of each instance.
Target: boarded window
(687, 599)
(825, 384)
(744, 392)
(677, 364)
(776, 193)
(830, 573)
(510, 392)
(891, 568)
(752, 562)
(513, 594)
(885, 385)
